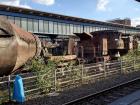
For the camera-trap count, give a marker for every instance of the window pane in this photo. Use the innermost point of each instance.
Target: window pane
(59, 28)
(85, 29)
(68, 29)
(71, 28)
(55, 27)
(51, 27)
(109, 28)
(46, 26)
(97, 28)
(35, 25)
(75, 29)
(11, 19)
(64, 28)
(78, 28)
(101, 28)
(41, 26)
(24, 23)
(30, 25)
(105, 28)
(17, 21)
(90, 28)
(81, 29)
(93, 29)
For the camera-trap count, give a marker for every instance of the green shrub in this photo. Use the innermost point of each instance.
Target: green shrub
(131, 54)
(44, 72)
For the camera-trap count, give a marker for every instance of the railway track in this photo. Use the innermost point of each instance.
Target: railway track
(108, 95)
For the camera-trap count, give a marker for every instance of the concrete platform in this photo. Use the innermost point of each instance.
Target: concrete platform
(131, 99)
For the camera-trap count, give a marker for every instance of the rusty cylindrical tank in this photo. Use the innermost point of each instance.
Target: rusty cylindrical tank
(16, 47)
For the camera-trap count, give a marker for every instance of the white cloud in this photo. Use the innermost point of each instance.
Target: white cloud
(135, 21)
(45, 2)
(14, 3)
(102, 5)
(19, 4)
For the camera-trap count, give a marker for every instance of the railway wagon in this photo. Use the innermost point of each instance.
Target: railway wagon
(103, 45)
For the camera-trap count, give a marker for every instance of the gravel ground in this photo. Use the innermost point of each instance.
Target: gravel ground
(57, 98)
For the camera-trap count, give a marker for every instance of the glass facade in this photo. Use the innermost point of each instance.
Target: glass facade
(64, 29)
(81, 28)
(59, 28)
(18, 21)
(68, 29)
(50, 27)
(41, 26)
(30, 25)
(74, 29)
(55, 26)
(35, 22)
(78, 28)
(46, 26)
(93, 28)
(11, 19)
(71, 29)
(24, 23)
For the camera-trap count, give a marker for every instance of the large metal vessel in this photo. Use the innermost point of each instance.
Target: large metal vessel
(16, 47)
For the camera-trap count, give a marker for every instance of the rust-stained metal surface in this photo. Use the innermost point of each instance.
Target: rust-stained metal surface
(102, 44)
(16, 47)
(110, 39)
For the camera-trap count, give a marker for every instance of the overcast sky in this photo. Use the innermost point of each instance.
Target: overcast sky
(92, 9)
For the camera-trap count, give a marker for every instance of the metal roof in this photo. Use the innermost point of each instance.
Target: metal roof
(57, 16)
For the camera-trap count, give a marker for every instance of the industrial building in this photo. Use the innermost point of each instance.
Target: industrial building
(125, 21)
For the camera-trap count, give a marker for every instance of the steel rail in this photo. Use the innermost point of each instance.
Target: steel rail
(100, 92)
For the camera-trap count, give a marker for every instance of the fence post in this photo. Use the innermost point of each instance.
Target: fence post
(9, 87)
(55, 80)
(122, 61)
(82, 74)
(121, 66)
(82, 51)
(104, 64)
(134, 63)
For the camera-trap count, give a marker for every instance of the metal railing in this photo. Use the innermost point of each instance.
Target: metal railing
(103, 75)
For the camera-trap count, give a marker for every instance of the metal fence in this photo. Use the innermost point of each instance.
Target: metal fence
(103, 75)
(6, 85)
